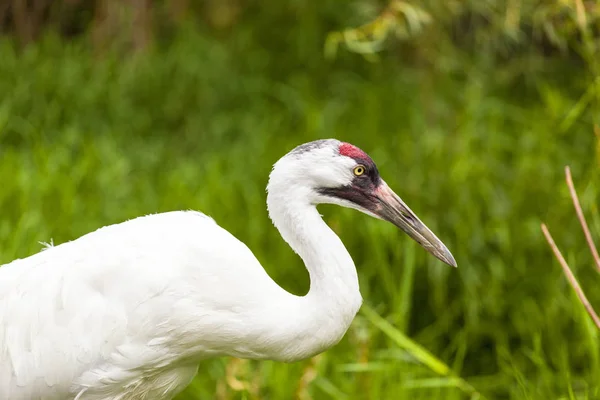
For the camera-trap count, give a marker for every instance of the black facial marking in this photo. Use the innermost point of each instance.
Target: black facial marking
(363, 198)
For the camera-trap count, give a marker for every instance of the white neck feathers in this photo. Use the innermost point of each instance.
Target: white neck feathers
(334, 297)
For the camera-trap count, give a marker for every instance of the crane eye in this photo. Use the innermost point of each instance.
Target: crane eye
(359, 170)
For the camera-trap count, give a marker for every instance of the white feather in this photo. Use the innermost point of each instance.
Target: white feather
(130, 310)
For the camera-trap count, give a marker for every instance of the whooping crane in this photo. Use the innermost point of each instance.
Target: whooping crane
(130, 310)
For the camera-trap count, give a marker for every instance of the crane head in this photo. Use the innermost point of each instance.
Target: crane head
(335, 172)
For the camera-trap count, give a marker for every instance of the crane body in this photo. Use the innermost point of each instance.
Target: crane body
(130, 310)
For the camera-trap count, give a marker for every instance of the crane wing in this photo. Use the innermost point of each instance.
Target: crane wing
(101, 307)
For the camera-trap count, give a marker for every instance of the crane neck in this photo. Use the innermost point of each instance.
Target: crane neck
(331, 268)
(334, 296)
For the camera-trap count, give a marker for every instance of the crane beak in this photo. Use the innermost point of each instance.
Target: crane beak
(390, 207)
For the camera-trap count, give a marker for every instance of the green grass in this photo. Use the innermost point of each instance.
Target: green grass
(478, 152)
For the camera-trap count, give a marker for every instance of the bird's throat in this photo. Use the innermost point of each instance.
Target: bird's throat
(334, 297)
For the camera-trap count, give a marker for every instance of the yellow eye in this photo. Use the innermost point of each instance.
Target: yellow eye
(359, 170)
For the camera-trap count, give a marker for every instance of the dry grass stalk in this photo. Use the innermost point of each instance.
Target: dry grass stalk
(237, 374)
(561, 259)
(581, 16)
(582, 221)
(308, 376)
(571, 277)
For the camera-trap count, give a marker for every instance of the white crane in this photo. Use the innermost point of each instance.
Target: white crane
(130, 310)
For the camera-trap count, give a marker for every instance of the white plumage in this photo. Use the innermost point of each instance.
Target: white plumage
(130, 310)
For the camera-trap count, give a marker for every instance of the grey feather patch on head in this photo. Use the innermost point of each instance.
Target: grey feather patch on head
(315, 144)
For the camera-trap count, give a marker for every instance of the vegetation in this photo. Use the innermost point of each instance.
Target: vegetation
(471, 110)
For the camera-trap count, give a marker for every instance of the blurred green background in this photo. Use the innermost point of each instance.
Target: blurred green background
(113, 109)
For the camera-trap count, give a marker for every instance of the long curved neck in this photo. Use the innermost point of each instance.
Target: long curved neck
(333, 300)
(332, 272)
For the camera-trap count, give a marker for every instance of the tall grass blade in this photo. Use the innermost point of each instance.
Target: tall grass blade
(415, 350)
